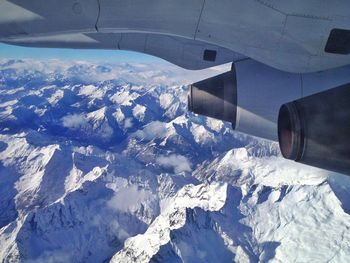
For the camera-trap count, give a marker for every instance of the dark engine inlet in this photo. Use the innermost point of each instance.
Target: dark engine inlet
(315, 130)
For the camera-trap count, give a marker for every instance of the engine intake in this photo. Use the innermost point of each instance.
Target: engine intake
(315, 130)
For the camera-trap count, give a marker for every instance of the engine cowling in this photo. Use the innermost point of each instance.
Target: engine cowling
(315, 130)
(215, 97)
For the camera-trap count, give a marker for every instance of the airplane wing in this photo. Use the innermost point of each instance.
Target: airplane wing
(186, 53)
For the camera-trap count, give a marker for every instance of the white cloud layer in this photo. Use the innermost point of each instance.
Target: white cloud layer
(178, 162)
(155, 129)
(74, 121)
(129, 198)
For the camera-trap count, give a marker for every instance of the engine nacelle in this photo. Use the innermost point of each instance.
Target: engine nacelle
(215, 97)
(315, 130)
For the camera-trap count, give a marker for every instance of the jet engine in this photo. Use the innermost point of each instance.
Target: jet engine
(215, 97)
(315, 130)
(312, 129)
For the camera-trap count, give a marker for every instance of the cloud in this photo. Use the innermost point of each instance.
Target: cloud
(128, 123)
(74, 121)
(178, 162)
(129, 199)
(155, 129)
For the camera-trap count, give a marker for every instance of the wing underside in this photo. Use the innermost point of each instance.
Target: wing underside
(186, 53)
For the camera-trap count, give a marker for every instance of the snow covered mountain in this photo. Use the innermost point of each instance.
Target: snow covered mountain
(102, 163)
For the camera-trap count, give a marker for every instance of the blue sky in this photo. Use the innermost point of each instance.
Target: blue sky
(9, 51)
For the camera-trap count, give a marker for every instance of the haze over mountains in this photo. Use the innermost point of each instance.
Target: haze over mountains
(102, 163)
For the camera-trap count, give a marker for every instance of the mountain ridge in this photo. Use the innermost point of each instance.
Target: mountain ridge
(93, 165)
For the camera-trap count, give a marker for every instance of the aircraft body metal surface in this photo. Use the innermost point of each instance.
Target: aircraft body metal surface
(288, 35)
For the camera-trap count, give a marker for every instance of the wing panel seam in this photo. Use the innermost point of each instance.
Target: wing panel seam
(199, 19)
(98, 14)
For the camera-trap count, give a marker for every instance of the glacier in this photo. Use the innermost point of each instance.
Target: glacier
(101, 162)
